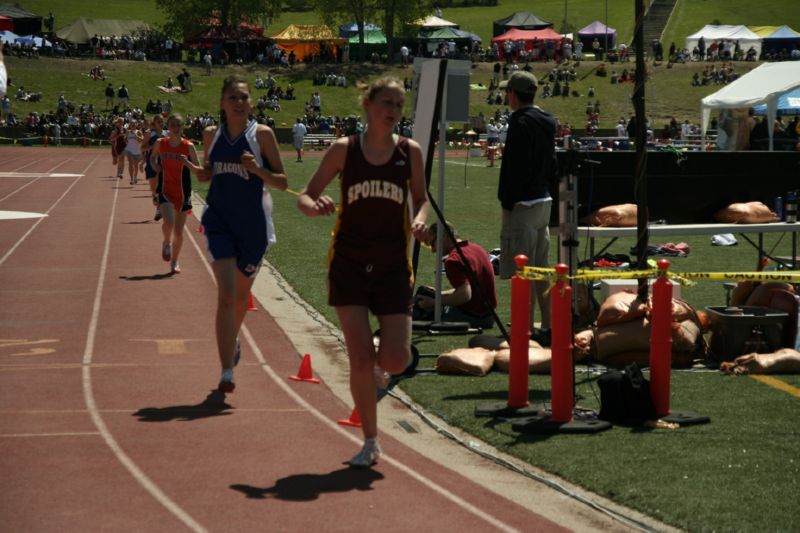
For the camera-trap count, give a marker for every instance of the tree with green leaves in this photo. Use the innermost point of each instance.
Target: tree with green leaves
(189, 17)
(398, 16)
(335, 12)
(395, 14)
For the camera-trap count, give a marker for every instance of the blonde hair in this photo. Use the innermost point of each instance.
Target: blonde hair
(369, 91)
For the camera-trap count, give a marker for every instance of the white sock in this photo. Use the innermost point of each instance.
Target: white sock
(227, 374)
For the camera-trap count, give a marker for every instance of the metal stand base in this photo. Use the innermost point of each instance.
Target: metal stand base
(545, 425)
(502, 410)
(685, 418)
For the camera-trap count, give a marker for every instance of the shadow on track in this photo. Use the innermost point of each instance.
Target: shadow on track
(307, 487)
(213, 405)
(152, 277)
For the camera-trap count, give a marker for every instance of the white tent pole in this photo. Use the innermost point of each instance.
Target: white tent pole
(437, 313)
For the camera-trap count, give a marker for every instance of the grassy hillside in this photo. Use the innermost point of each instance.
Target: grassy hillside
(689, 15)
(668, 92)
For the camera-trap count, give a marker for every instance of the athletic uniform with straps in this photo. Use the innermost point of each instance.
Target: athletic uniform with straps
(174, 182)
(368, 260)
(238, 217)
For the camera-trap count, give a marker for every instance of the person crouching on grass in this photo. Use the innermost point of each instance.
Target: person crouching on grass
(369, 268)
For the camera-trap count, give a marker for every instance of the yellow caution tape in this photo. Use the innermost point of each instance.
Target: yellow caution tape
(684, 278)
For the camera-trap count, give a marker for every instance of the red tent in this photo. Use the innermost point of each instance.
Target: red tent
(528, 37)
(6, 24)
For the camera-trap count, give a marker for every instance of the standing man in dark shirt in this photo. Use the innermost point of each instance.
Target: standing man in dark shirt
(462, 303)
(527, 173)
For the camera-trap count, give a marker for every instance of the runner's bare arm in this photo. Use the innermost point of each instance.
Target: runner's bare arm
(311, 201)
(191, 162)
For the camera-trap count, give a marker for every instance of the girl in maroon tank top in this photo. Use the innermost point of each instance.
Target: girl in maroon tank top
(368, 264)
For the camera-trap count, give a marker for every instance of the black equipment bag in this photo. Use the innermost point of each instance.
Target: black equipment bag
(625, 397)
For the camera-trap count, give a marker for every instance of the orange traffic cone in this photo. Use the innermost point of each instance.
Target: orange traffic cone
(353, 421)
(304, 373)
(251, 304)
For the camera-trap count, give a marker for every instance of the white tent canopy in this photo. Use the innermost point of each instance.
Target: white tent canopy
(713, 33)
(762, 85)
(435, 22)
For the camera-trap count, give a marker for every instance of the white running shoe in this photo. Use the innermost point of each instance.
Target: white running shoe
(368, 456)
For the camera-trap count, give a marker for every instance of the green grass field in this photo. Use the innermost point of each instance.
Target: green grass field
(725, 476)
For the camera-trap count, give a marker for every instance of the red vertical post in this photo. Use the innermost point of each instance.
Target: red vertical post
(520, 335)
(561, 375)
(661, 340)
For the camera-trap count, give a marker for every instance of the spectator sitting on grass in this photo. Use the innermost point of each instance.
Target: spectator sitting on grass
(464, 302)
(97, 73)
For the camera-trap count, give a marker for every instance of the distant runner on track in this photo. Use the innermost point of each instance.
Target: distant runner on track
(243, 162)
(156, 130)
(170, 158)
(118, 141)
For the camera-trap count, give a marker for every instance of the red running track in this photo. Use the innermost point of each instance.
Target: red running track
(106, 366)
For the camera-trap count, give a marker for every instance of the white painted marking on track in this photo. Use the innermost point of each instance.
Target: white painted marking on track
(35, 224)
(65, 434)
(278, 380)
(91, 405)
(16, 215)
(38, 175)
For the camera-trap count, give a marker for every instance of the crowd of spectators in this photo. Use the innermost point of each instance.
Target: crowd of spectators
(712, 75)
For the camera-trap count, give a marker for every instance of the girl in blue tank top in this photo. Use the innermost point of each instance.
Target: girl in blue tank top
(242, 161)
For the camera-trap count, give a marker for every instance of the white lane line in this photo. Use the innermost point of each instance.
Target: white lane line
(281, 382)
(35, 224)
(29, 163)
(91, 405)
(38, 176)
(18, 189)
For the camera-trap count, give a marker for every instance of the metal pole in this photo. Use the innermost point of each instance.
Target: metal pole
(640, 176)
(437, 309)
(606, 31)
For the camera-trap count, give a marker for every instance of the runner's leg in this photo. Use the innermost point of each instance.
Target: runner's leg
(354, 321)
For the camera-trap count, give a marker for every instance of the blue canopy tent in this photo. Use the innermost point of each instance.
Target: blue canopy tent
(788, 104)
(783, 37)
(8, 36)
(348, 30)
(28, 40)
